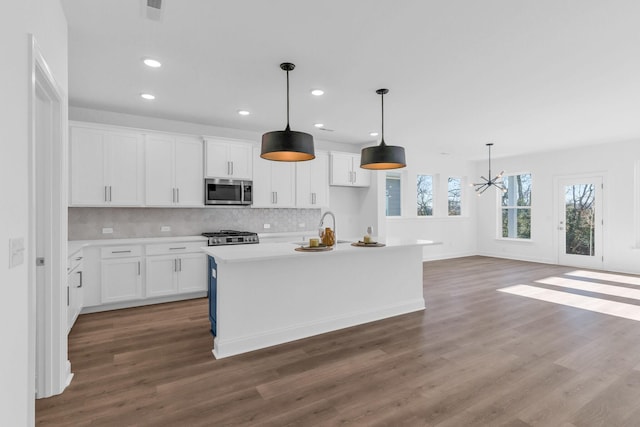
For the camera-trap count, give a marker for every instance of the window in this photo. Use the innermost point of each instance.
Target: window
(425, 195)
(454, 196)
(516, 207)
(393, 193)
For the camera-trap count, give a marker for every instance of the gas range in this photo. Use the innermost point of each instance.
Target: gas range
(231, 237)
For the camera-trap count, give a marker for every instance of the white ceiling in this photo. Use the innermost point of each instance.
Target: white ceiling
(526, 75)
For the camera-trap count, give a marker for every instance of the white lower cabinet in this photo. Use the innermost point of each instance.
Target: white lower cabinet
(117, 276)
(174, 274)
(121, 279)
(75, 291)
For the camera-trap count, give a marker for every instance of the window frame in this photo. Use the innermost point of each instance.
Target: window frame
(500, 208)
(401, 180)
(462, 196)
(434, 195)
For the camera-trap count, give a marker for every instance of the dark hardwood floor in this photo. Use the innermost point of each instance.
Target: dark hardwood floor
(474, 357)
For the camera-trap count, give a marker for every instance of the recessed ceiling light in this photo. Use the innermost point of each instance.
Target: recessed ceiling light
(243, 112)
(374, 134)
(147, 96)
(317, 92)
(152, 63)
(319, 125)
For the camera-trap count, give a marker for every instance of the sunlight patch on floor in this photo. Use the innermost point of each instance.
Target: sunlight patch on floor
(582, 285)
(613, 308)
(609, 277)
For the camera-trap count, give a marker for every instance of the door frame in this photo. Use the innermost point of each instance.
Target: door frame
(558, 208)
(57, 369)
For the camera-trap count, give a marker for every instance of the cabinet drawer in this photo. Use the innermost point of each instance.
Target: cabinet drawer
(175, 248)
(121, 251)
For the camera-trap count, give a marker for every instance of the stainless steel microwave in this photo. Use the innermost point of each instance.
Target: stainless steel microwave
(228, 192)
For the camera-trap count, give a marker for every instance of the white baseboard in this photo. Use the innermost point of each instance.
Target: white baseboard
(438, 257)
(142, 302)
(270, 338)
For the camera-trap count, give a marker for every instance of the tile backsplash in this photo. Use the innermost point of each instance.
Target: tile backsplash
(87, 223)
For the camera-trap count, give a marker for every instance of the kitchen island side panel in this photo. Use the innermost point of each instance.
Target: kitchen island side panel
(261, 303)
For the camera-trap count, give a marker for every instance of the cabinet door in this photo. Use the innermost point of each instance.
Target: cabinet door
(87, 175)
(161, 277)
(217, 162)
(159, 166)
(361, 177)
(262, 195)
(319, 180)
(192, 274)
(121, 279)
(304, 196)
(283, 184)
(124, 169)
(239, 156)
(189, 179)
(74, 283)
(341, 169)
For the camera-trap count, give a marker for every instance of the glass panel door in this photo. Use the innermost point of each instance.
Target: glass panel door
(580, 225)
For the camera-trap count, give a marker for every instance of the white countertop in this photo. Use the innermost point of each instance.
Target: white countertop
(265, 251)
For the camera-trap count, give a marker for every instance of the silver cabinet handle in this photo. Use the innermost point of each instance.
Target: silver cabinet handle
(67, 296)
(80, 273)
(138, 268)
(175, 249)
(121, 252)
(175, 265)
(110, 193)
(180, 264)
(78, 258)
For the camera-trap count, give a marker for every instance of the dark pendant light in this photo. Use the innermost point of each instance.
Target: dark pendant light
(287, 145)
(382, 156)
(496, 181)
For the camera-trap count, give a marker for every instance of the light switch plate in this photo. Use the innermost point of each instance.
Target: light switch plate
(267, 226)
(16, 252)
(165, 228)
(107, 230)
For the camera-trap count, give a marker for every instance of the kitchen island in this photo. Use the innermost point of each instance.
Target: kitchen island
(268, 293)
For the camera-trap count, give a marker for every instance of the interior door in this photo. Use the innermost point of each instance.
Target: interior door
(580, 222)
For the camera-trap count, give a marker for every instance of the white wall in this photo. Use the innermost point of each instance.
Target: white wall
(45, 19)
(617, 162)
(457, 234)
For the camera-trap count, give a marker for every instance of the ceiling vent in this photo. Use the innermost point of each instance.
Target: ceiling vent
(153, 9)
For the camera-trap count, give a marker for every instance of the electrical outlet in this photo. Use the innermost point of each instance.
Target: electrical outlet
(302, 225)
(107, 230)
(266, 226)
(165, 228)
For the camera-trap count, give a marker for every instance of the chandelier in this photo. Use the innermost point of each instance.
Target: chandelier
(481, 187)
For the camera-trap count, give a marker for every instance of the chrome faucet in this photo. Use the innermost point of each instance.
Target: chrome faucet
(335, 240)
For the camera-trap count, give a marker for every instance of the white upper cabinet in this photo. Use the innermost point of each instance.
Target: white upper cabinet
(228, 159)
(106, 167)
(345, 170)
(312, 182)
(274, 183)
(174, 171)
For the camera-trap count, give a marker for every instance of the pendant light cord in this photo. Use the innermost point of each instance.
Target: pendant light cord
(382, 96)
(288, 128)
(489, 145)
